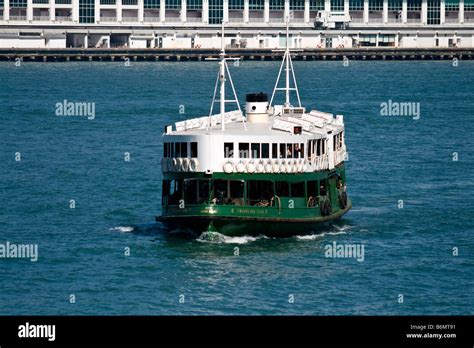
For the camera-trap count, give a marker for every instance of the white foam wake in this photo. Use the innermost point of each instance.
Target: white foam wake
(339, 230)
(123, 229)
(216, 237)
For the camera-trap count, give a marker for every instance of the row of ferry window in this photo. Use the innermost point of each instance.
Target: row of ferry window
(274, 150)
(316, 147)
(180, 149)
(240, 192)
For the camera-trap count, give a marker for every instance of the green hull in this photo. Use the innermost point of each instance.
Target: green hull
(249, 220)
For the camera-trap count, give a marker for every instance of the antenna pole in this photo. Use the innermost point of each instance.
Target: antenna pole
(222, 77)
(287, 69)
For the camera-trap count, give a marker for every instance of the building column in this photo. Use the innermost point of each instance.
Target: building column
(424, 11)
(205, 11)
(225, 11)
(141, 11)
(366, 11)
(346, 7)
(162, 10)
(385, 12)
(52, 10)
(183, 10)
(397, 39)
(246, 11)
(6, 10)
(306, 11)
(327, 5)
(266, 11)
(286, 13)
(96, 11)
(29, 10)
(461, 11)
(75, 10)
(442, 12)
(119, 10)
(404, 11)
(86, 40)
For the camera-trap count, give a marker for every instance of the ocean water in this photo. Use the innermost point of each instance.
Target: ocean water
(393, 160)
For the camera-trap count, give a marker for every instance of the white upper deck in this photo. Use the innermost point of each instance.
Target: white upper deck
(268, 139)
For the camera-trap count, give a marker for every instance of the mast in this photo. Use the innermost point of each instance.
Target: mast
(222, 77)
(287, 56)
(221, 80)
(288, 64)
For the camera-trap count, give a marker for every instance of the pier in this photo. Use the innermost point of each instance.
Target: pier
(199, 54)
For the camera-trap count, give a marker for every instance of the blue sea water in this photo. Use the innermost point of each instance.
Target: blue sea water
(408, 251)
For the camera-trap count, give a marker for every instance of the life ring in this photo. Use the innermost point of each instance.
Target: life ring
(275, 166)
(268, 166)
(283, 166)
(251, 167)
(343, 199)
(228, 167)
(241, 167)
(175, 164)
(185, 166)
(260, 167)
(194, 165)
(289, 167)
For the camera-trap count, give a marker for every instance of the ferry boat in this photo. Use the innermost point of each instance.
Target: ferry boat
(275, 170)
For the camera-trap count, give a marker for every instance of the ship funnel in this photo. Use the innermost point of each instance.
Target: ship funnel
(256, 107)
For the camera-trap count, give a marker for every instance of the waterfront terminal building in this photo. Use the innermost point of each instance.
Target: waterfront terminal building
(185, 24)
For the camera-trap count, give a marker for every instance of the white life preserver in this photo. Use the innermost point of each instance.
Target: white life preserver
(283, 166)
(228, 167)
(175, 164)
(241, 167)
(268, 166)
(260, 166)
(303, 166)
(185, 166)
(275, 166)
(180, 164)
(194, 165)
(289, 166)
(251, 167)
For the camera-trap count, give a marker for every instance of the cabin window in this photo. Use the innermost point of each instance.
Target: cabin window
(274, 150)
(265, 150)
(289, 150)
(203, 190)
(243, 150)
(165, 149)
(171, 149)
(176, 192)
(165, 192)
(282, 188)
(177, 150)
(259, 192)
(220, 192)
(194, 149)
(190, 191)
(312, 188)
(255, 148)
(301, 154)
(228, 150)
(237, 192)
(297, 189)
(229, 192)
(282, 150)
(184, 149)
